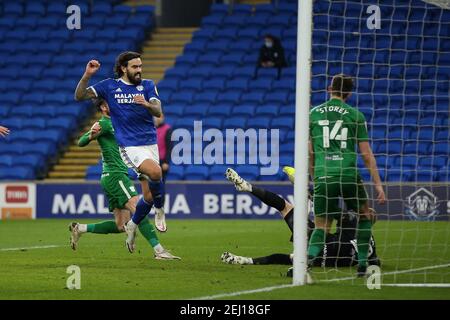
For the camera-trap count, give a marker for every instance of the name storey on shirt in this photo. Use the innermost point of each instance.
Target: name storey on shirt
(126, 97)
(332, 109)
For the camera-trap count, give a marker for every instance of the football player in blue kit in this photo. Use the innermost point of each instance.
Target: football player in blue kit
(133, 102)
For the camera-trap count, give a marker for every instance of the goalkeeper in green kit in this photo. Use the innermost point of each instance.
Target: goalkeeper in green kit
(336, 130)
(119, 189)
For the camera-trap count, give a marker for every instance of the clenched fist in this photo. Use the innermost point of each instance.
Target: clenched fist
(92, 67)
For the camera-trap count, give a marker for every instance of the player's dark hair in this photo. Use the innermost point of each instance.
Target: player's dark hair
(122, 61)
(341, 85)
(97, 102)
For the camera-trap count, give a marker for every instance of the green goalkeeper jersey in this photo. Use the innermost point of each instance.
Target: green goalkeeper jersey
(335, 130)
(112, 162)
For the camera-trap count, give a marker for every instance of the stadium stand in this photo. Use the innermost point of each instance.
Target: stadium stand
(215, 73)
(43, 61)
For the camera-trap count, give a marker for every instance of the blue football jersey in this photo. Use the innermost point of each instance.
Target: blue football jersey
(133, 123)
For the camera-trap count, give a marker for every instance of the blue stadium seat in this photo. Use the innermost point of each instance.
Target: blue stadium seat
(17, 173)
(61, 123)
(235, 122)
(204, 34)
(11, 9)
(212, 21)
(94, 172)
(198, 110)
(264, 8)
(226, 33)
(213, 84)
(256, 97)
(182, 97)
(268, 110)
(186, 122)
(257, 21)
(278, 97)
(263, 85)
(232, 97)
(287, 110)
(195, 172)
(259, 122)
(283, 122)
(232, 59)
(440, 148)
(220, 110)
(243, 110)
(206, 97)
(191, 85)
(4, 111)
(235, 20)
(237, 84)
(210, 59)
(167, 84)
(174, 110)
(436, 162)
(175, 173)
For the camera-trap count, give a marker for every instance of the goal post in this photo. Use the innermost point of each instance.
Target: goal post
(302, 107)
(398, 55)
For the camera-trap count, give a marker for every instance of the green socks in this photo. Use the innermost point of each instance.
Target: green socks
(145, 227)
(316, 243)
(103, 227)
(149, 233)
(362, 239)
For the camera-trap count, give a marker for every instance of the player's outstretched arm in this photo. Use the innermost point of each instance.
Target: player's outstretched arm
(92, 134)
(371, 164)
(153, 106)
(82, 91)
(4, 131)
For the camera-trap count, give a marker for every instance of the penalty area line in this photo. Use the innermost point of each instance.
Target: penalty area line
(31, 248)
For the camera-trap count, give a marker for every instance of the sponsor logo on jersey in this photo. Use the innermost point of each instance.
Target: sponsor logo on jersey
(118, 90)
(126, 98)
(16, 194)
(140, 88)
(422, 205)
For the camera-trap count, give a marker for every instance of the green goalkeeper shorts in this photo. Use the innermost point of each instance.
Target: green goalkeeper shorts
(118, 189)
(329, 191)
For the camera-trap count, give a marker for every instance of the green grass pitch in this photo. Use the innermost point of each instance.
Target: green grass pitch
(108, 271)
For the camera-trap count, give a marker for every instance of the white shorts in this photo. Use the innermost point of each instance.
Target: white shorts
(134, 156)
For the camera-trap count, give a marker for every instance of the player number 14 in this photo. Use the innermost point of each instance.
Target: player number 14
(333, 135)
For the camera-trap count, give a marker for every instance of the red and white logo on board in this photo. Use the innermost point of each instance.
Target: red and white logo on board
(16, 194)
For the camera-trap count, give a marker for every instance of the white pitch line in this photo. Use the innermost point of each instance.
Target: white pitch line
(417, 285)
(31, 248)
(223, 295)
(394, 272)
(266, 289)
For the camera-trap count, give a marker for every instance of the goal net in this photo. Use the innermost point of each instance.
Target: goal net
(398, 53)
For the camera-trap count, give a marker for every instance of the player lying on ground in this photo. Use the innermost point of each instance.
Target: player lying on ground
(133, 102)
(4, 131)
(340, 248)
(336, 129)
(118, 187)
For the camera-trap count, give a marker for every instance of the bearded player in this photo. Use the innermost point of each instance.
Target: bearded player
(133, 102)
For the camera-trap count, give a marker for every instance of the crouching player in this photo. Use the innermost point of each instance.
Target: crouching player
(340, 249)
(119, 189)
